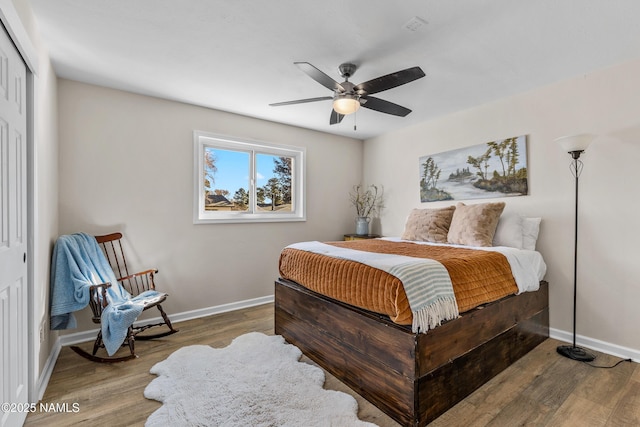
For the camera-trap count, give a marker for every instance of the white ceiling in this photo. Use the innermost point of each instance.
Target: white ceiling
(238, 55)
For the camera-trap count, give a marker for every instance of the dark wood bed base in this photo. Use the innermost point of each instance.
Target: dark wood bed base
(413, 378)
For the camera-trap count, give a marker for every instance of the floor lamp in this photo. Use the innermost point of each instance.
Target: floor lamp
(575, 145)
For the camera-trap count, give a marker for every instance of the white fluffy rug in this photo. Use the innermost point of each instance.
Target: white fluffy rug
(256, 381)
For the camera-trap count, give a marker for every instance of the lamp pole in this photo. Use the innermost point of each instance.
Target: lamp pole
(576, 173)
(572, 351)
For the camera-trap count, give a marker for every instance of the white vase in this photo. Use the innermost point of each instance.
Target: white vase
(362, 225)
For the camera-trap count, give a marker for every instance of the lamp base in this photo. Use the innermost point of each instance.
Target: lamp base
(575, 353)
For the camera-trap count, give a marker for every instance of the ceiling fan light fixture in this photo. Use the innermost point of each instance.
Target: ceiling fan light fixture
(346, 104)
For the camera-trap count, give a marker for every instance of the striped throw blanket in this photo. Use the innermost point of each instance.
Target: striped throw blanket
(426, 282)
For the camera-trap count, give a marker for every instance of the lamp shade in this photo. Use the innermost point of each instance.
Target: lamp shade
(345, 104)
(573, 143)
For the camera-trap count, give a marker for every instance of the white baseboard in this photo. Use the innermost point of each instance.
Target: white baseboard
(85, 336)
(45, 375)
(597, 345)
(594, 344)
(90, 335)
(195, 314)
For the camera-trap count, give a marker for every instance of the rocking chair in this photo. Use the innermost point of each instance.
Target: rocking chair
(134, 284)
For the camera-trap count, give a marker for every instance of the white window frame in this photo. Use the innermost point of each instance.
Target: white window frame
(201, 140)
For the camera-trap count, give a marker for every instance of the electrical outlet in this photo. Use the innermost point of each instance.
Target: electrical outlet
(41, 334)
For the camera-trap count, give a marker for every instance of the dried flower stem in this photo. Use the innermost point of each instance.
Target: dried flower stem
(367, 201)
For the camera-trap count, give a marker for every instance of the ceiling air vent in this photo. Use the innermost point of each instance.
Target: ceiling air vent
(414, 24)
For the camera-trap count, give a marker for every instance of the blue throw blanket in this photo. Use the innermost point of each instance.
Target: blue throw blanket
(78, 262)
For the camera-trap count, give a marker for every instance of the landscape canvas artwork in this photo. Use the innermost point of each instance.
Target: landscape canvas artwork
(489, 170)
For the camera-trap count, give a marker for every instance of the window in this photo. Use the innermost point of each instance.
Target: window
(244, 181)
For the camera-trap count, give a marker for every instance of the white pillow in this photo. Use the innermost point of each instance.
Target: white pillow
(530, 230)
(509, 231)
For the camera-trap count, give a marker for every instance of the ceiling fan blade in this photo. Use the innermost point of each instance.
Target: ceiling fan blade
(335, 117)
(319, 76)
(301, 101)
(383, 106)
(390, 81)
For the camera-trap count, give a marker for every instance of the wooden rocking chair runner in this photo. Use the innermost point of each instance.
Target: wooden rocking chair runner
(135, 284)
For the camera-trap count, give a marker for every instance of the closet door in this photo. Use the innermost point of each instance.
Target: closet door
(13, 235)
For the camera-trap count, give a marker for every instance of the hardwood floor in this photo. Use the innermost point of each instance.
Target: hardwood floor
(541, 389)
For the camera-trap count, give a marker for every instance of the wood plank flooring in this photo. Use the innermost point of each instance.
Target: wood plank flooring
(541, 389)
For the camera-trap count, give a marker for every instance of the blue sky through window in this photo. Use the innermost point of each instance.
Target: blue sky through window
(233, 170)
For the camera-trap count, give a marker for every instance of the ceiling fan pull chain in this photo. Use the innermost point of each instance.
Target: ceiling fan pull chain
(355, 115)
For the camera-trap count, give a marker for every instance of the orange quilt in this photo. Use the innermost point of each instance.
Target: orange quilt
(478, 276)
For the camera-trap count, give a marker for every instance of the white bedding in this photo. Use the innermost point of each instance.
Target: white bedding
(528, 267)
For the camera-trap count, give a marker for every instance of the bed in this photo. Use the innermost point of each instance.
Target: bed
(411, 372)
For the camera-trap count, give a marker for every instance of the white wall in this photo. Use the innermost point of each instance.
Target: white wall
(46, 192)
(126, 163)
(606, 103)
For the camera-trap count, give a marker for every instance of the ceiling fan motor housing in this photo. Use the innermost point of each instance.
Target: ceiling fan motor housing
(348, 93)
(348, 87)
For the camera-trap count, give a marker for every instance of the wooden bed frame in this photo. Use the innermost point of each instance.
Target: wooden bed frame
(413, 378)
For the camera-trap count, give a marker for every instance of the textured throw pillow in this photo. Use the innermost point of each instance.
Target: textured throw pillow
(428, 225)
(509, 231)
(530, 230)
(475, 225)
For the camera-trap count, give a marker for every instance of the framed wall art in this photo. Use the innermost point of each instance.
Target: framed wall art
(494, 169)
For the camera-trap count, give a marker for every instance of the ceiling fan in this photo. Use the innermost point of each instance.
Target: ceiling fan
(347, 97)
